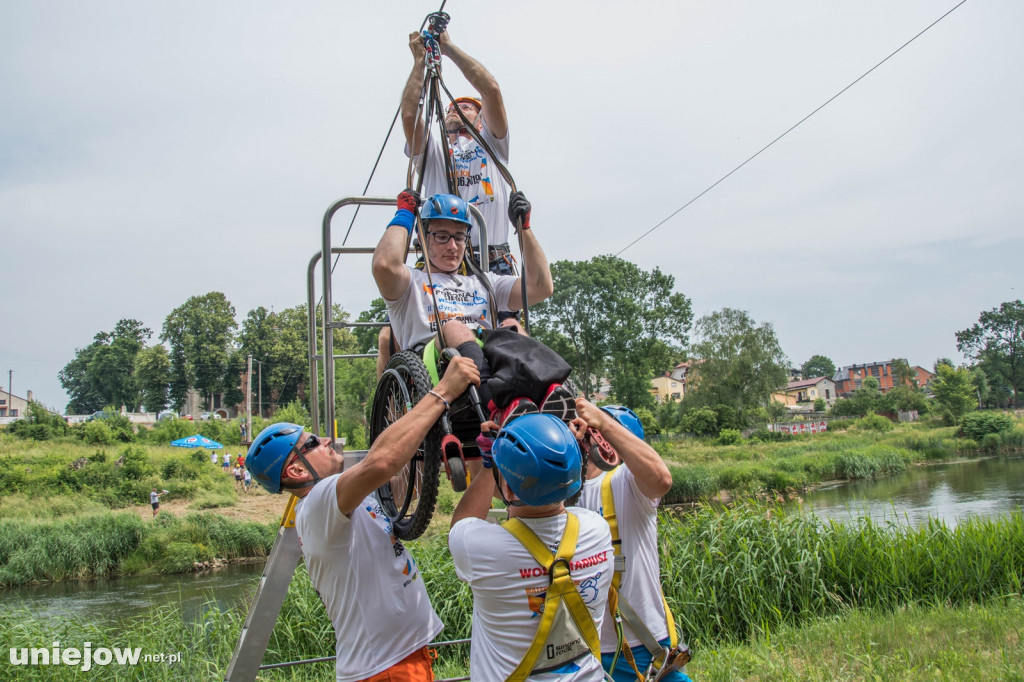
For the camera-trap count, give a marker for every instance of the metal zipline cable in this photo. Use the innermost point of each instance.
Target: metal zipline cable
(789, 130)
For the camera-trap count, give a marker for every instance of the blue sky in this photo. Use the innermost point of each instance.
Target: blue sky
(150, 152)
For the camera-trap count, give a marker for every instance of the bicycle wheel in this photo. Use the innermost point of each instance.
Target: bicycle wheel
(409, 497)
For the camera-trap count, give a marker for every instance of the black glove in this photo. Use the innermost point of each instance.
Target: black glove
(409, 199)
(519, 210)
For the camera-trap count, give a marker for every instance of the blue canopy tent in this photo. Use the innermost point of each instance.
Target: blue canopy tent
(196, 441)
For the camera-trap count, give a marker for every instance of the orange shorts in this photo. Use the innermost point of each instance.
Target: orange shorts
(416, 667)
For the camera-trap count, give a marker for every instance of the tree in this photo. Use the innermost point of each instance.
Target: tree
(608, 316)
(903, 399)
(954, 392)
(981, 386)
(997, 340)
(366, 337)
(200, 333)
(101, 374)
(902, 373)
(818, 366)
(742, 363)
(153, 377)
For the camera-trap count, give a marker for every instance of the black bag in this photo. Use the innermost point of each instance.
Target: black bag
(521, 367)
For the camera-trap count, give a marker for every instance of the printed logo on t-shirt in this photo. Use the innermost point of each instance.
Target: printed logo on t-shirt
(535, 596)
(468, 307)
(376, 513)
(471, 170)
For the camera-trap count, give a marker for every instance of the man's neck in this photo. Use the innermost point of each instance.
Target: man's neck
(537, 512)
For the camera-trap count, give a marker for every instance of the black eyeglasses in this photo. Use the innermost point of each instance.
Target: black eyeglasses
(312, 443)
(445, 237)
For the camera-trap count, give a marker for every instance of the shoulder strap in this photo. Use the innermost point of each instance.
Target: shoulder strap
(561, 591)
(617, 605)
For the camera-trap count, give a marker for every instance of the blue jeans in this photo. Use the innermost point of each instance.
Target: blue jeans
(624, 671)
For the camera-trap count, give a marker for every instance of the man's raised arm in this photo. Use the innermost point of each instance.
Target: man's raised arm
(389, 269)
(411, 124)
(493, 106)
(539, 283)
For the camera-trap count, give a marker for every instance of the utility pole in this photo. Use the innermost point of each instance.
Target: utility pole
(248, 399)
(261, 387)
(10, 392)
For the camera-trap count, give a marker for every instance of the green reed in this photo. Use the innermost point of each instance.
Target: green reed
(733, 574)
(109, 543)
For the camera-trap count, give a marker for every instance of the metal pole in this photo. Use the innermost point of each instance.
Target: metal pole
(248, 399)
(261, 387)
(10, 392)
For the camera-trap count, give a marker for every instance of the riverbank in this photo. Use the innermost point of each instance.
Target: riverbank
(114, 544)
(704, 469)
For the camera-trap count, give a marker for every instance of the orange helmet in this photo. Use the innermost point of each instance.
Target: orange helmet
(473, 100)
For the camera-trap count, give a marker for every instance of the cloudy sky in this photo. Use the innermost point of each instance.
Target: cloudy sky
(152, 151)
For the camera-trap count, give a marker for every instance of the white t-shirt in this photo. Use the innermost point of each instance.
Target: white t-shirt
(154, 498)
(459, 297)
(367, 580)
(508, 590)
(480, 181)
(640, 585)
(227, 458)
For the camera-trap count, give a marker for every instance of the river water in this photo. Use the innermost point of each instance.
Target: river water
(110, 600)
(951, 492)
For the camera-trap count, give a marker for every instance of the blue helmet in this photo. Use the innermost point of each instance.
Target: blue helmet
(627, 418)
(539, 458)
(268, 452)
(446, 207)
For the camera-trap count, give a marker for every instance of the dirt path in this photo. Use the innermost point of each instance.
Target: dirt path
(257, 505)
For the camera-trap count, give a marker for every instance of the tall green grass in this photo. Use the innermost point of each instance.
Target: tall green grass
(745, 571)
(117, 543)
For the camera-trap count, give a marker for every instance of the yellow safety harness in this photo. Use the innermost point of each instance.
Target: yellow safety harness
(618, 607)
(565, 615)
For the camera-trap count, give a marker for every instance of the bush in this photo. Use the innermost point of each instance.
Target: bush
(874, 422)
(990, 442)
(700, 422)
(977, 425)
(820, 405)
(96, 433)
(294, 412)
(38, 424)
(729, 437)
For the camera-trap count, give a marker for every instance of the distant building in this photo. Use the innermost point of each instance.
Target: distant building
(665, 389)
(809, 390)
(923, 376)
(673, 384)
(12, 405)
(851, 377)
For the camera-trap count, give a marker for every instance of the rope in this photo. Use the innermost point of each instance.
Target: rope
(387, 137)
(791, 128)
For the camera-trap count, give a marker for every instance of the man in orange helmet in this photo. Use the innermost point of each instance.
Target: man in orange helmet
(476, 174)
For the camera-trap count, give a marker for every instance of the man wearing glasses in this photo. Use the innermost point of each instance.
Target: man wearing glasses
(462, 301)
(367, 579)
